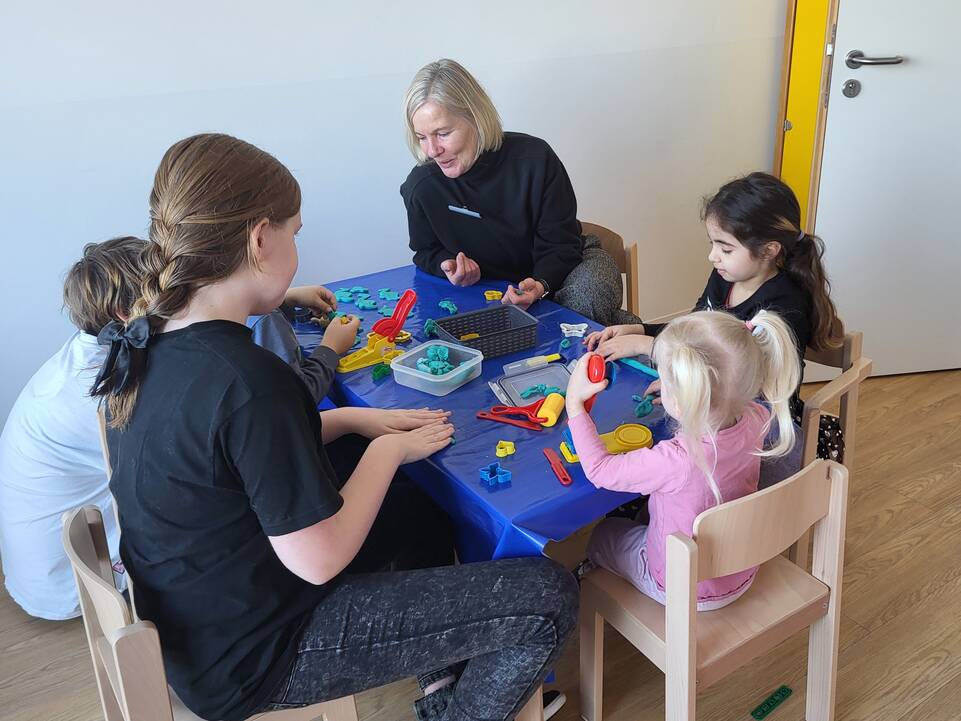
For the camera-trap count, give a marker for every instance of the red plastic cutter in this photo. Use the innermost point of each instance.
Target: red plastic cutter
(390, 327)
(558, 467)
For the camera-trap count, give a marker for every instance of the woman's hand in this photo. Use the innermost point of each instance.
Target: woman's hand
(461, 271)
(376, 422)
(527, 291)
(341, 333)
(320, 300)
(612, 331)
(418, 444)
(580, 388)
(625, 346)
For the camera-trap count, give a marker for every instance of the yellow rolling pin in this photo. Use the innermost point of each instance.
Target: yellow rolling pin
(552, 409)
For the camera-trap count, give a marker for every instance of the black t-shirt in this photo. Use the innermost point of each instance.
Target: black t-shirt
(223, 449)
(528, 214)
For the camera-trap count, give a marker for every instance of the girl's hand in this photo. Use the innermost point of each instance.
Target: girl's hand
(580, 388)
(461, 271)
(340, 336)
(654, 387)
(613, 331)
(376, 422)
(625, 346)
(320, 300)
(418, 444)
(526, 292)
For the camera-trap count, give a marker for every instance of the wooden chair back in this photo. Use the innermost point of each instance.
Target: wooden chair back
(126, 656)
(747, 532)
(625, 256)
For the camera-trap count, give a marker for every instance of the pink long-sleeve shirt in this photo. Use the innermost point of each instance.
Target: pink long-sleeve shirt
(678, 489)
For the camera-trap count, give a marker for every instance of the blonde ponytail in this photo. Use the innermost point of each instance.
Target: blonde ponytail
(781, 374)
(691, 378)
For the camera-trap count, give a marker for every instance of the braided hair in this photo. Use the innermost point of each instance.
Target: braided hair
(208, 192)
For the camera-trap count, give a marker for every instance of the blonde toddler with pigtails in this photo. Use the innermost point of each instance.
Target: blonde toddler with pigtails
(714, 368)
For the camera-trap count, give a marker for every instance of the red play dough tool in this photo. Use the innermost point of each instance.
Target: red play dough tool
(596, 372)
(558, 467)
(390, 327)
(529, 412)
(488, 416)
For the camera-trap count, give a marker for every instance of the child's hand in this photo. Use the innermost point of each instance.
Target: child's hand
(613, 331)
(625, 346)
(580, 388)
(418, 444)
(320, 300)
(654, 387)
(340, 336)
(376, 422)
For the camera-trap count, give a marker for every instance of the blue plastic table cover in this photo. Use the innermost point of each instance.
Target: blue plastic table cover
(517, 520)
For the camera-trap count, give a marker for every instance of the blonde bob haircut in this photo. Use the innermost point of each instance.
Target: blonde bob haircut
(447, 83)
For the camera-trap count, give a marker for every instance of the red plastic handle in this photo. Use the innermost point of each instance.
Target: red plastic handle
(558, 467)
(390, 327)
(596, 372)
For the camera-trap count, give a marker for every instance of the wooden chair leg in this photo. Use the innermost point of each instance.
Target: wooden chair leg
(592, 662)
(822, 669)
(534, 709)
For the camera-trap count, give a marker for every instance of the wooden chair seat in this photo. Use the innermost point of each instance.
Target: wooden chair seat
(782, 600)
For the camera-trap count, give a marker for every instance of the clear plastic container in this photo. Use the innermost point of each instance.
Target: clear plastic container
(467, 362)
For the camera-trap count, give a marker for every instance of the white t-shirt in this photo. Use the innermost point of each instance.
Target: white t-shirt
(51, 462)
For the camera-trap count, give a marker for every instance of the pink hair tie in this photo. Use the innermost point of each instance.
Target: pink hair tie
(749, 325)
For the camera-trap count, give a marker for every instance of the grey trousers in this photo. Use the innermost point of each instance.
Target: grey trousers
(594, 287)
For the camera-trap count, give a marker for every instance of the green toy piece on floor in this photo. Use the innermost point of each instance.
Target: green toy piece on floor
(771, 702)
(381, 370)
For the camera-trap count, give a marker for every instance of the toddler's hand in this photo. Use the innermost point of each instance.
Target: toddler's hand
(340, 336)
(418, 444)
(319, 299)
(654, 387)
(580, 388)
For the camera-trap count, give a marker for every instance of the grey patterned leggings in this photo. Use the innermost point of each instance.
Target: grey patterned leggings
(594, 287)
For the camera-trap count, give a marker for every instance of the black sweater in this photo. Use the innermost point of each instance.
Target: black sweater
(779, 294)
(528, 214)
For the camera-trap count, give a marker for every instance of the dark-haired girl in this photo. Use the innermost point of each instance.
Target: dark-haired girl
(762, 260)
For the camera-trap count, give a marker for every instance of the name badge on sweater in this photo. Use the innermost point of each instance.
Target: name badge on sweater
(464, 211)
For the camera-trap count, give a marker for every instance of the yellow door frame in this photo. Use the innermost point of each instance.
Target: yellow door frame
(809, 31)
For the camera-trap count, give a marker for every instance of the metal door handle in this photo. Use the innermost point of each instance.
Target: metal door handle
(856, 59)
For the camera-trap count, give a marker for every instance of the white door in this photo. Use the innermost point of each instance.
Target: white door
(889, 207)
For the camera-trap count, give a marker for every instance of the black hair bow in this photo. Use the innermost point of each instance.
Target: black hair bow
(127, 356)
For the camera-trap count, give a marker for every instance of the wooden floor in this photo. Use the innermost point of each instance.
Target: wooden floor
(900, 654)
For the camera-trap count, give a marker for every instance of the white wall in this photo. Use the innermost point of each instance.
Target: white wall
(649, 104)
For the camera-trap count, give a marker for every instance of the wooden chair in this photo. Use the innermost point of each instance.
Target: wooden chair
(127, 660)
(624, 255)
(697, 649)
(844, 388)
